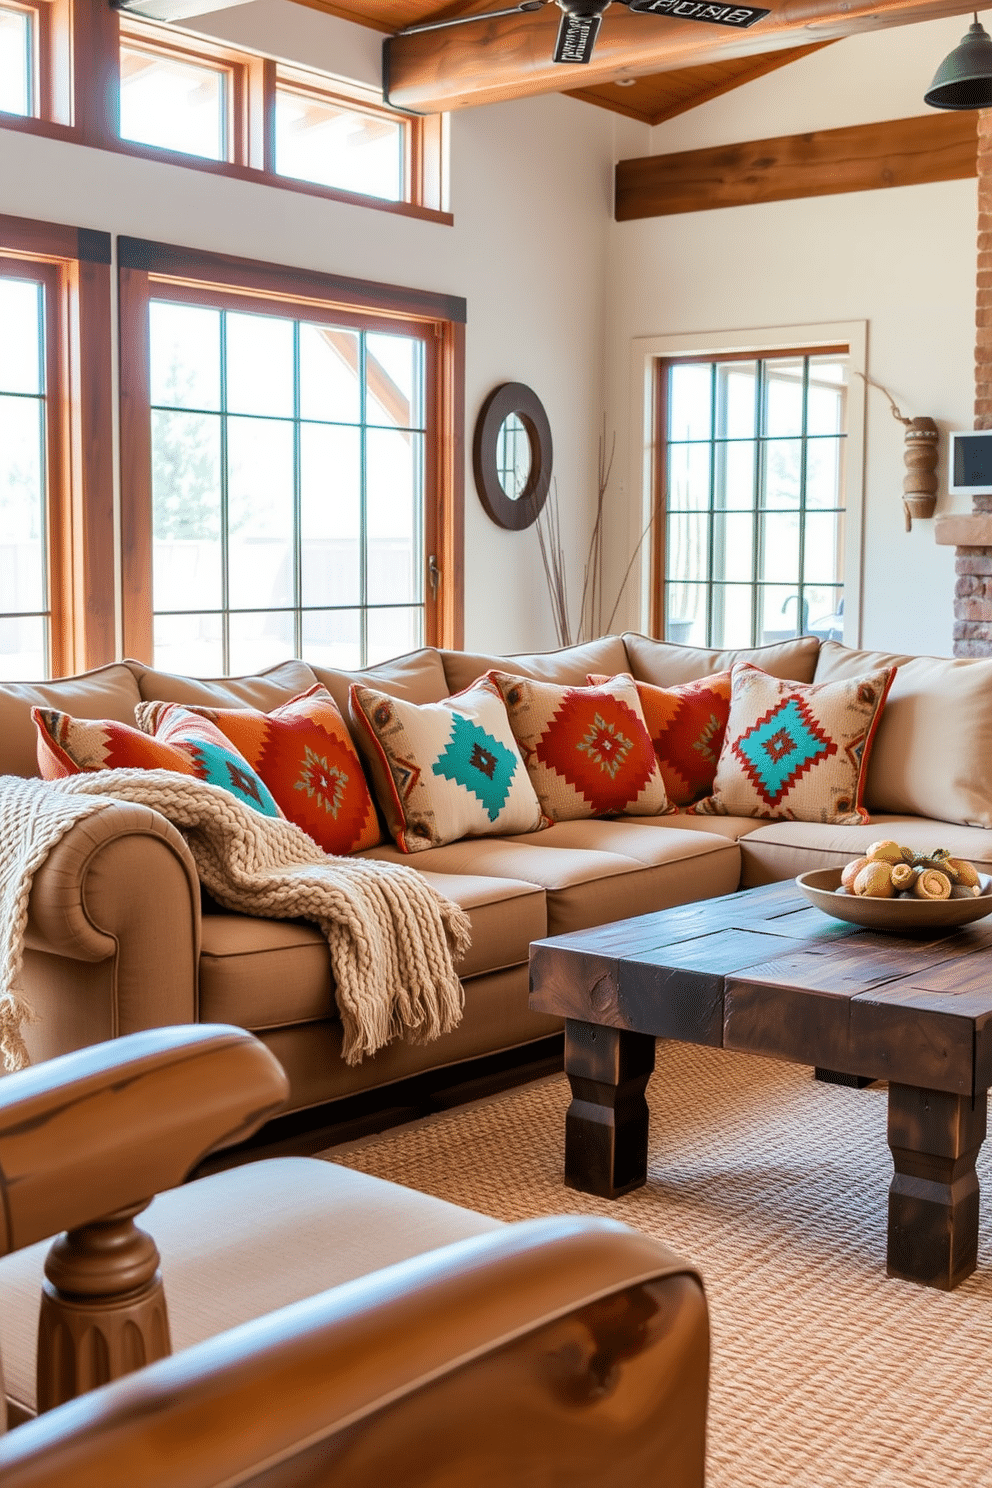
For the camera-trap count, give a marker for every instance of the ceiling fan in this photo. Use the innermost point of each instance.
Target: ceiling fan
(581, 19)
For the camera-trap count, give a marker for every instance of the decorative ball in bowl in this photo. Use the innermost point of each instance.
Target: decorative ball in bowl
(894, 910)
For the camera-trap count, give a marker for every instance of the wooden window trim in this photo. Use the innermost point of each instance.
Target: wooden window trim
(148, 271)
(75, 265)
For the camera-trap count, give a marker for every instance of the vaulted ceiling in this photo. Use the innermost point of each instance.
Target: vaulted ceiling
(647, 66)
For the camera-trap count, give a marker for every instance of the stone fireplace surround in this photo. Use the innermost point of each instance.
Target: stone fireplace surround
(971, 535)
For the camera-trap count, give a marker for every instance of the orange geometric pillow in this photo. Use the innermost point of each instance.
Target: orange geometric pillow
(304, 753)
(587, 749)
(687, 724)
(192, 746)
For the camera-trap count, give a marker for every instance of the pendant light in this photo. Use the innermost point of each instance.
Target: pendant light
(964, 78)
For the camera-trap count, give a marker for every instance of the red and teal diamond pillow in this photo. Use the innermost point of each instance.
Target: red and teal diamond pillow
(687, 724)
(797, 751)
(304, 753)
(587, 749)
(444, 770)
(189, 746)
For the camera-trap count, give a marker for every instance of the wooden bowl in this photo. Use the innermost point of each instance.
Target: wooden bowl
(893, 914)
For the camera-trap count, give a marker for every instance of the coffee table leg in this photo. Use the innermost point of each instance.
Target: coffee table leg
(933, 1198)
(606, 1128)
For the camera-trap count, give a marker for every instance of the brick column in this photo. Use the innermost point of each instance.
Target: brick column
(973, 564)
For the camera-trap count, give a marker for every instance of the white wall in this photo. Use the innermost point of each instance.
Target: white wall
(902, 259)
(530, 192)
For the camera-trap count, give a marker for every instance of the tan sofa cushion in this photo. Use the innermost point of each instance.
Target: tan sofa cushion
(596, 871)
(932, 754)
(417, 677)
(783, 849)
(109, 692)
(666, 665)
(568, 667)
(264, 690)
(261, 974)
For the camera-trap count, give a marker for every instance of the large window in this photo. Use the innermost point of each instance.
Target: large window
(56, 479)
(753, 485)
(176, 100)
(291, 487)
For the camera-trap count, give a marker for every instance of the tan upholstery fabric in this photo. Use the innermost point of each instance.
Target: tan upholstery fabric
(588, 878)
(724, 826)
(417, 677)
(496, 1017)
(242, 1243)
(260, 973)
(666, 665)
(567, 667)
(932, 754)
(264, 690)
(108, 692)
(783, 849)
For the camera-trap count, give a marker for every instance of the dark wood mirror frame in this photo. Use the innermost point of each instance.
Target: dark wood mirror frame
(512, 397)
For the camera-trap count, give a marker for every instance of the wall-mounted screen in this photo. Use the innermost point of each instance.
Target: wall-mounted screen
(970, 468)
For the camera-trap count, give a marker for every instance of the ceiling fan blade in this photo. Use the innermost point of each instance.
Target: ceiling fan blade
(700, 10)
(489, 15)
(576, 37)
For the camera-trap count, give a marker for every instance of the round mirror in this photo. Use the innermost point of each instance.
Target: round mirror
(511, 454)
(513, 458)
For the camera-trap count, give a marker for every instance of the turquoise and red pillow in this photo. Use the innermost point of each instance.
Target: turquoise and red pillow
(687, 724)
(587, 749)
(797, 751)
(444, 770)
(303, 752)
(188, 746)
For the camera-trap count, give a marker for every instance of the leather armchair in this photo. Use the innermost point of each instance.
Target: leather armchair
(416, 1342)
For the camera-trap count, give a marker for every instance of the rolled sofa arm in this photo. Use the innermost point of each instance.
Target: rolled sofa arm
(109, 1127)
(569, 1351)
(112, 943)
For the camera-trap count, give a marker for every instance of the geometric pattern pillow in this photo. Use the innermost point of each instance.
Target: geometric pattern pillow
(796, 751)
(444, 770)
(587, 749)
(191, 746)
(687, 723)
(304, 753)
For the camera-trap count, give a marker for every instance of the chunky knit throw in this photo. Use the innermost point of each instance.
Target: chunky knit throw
(393, 939)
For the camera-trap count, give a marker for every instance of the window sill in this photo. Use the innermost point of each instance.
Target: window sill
(70, 135)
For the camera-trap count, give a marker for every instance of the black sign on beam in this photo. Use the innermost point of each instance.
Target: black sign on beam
(576, 37)
(697, 10)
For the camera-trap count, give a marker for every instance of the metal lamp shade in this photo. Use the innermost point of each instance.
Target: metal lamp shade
(964, 78)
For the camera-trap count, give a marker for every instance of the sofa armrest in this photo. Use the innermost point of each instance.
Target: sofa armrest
(112, 939)
(554, 1351)
(109, 1127)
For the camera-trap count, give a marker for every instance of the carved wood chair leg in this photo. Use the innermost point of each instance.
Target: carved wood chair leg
(103, 1309)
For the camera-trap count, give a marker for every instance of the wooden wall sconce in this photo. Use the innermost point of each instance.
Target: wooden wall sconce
(919, 488)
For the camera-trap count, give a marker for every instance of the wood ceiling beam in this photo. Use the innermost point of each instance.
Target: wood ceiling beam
(492, 61)
(862, 157)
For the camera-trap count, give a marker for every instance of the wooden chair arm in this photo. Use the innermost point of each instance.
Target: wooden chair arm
(554, 1352)
(107, 1127)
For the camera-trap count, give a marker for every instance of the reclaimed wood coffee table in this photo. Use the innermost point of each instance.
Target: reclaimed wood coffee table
(763, 972)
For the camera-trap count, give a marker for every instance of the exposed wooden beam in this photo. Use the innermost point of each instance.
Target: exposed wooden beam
(491, 61)
(863, 157)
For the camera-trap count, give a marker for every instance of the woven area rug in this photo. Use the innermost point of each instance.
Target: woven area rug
(824, 1372)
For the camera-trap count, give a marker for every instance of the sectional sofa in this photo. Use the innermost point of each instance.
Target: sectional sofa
(120, 936)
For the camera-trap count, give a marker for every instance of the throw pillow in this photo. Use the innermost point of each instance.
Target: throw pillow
(303, 752)
(444, 770)
(587, 749)
(189, 746)
(687, 724)
(796, 751)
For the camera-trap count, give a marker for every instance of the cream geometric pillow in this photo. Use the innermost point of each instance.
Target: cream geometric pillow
(796, 751)
(442, 771)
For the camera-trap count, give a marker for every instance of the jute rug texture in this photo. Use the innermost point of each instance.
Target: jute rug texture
(824, 1372)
